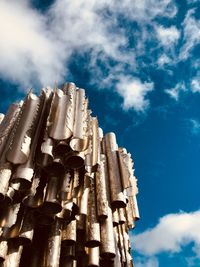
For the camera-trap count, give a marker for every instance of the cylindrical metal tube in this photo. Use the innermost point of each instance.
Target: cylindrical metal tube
(3, 250)
(102, 190)
(51, 204)
(13, 256)
(27, 229)
(7, 125)
(122, 218)
(74, 160)
(69, 233)
(121, 244)
(107, 238)
(92, 226)
(35, 197)
(1, 117)
(85, 195)
(5, 175)
(117, 196)
(45, 157)
(79, 141)
(115, 217)
(123, 158)
(93, 257)
(22, 134)
(52, 254)
(68, 252)
(66, 186)
(61, 118)
(24, 172)
(136, 210)
(95, 144)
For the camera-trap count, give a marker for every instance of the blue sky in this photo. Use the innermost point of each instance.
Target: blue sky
(139, 63)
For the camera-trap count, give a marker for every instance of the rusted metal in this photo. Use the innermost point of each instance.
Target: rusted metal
(67, 192)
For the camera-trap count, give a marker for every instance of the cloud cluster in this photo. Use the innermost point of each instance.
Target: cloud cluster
(134, 92)
(172, 233)
(167, 36)
(37, 48)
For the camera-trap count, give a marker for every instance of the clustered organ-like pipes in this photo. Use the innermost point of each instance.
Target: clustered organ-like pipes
(67, 193)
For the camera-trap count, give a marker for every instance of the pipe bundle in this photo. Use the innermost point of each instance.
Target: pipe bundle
(67, 192)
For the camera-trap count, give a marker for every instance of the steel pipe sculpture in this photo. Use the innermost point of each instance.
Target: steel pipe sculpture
(67, 192)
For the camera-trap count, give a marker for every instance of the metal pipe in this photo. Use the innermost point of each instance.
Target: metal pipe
(117, 196)
(53, 249)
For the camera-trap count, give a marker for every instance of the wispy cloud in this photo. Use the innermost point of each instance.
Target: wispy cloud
(195, 84)
(37, 48)
(191, 34)
(194, 126)
(175, 91)
(172, 233)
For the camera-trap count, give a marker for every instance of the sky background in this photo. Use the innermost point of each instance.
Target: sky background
(139, 63)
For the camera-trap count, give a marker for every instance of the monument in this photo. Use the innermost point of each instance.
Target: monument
(67, 191)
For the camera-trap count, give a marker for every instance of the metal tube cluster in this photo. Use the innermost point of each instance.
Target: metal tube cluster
(67, 192)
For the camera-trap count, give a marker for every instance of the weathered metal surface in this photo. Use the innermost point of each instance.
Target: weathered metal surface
(7, 124)
(93, 227)
(102, 189)
(116, 192)
(53, 249)
(67, 192)
(23, 132)
(69, 233)
(107, 237)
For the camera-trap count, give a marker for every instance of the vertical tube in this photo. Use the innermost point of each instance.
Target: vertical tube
(107, 238)
(117, 196)
(53, 249)
(93, 228)
(102, 190)
(13, 256)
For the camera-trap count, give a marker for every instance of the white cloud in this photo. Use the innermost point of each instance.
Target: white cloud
(27, 50)
(171, 234)
(167, 36)
(191, 33)
(37, 48)
(175, 92)
(195, 85)
(134, 92)
(163, 59)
